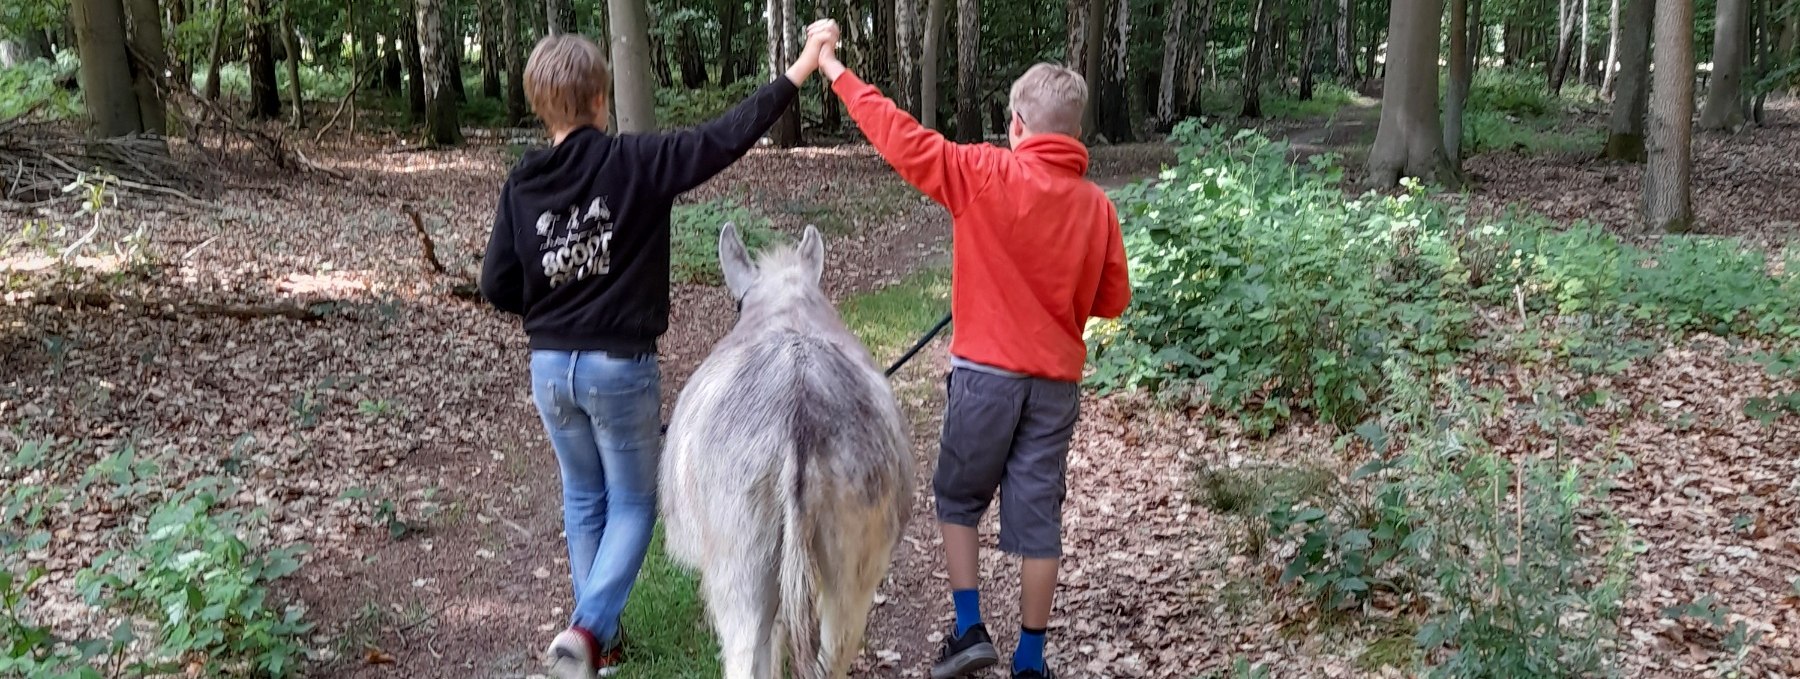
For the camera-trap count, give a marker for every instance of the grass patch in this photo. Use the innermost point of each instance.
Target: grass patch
(1328, 99)
(694, 246)
(891, 319)
(670, 637)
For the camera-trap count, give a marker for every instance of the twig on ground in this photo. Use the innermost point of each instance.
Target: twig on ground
(427, 248)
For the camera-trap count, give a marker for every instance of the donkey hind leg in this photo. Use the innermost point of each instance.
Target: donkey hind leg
(743, 596)
(844, 609)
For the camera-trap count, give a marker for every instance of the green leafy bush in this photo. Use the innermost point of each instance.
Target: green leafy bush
(34, 83)
(678, 107)
(33, 651)
(204, 590)
(1254, 279)
(694, 246)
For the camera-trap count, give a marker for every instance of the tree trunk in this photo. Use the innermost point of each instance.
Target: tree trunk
(1585, 69)
(516, 109)
(1253, 59)
(1565, 45)
(453, 44)
(442, 128)
(181, 63)
(291, 41)
(1668, 196)
(1724, 108)
(1193, 91)
(145, 19)
(1477, 34)
(1075, 53)
(216, 58)
(886, 44)
(1625, 134)
(265, 94)
(731, 19)
(1093, 72)
(1309, 47)
(787, 130)
(491, 52)
(1410, 139)
(393, 72)
(415, 62)
(1612, 53)
(1171, 64)
(691, 55)
(559, 16)
(1346, 39)
(968, 73)
(906, 76)
(1117, 119)
(929, 56)
(629, 24)
(1460, 79)
(1374, 36)
(105, 74)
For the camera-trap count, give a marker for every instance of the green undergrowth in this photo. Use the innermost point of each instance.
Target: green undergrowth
(694, 238)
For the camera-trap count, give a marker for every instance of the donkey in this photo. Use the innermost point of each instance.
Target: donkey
(787, 475)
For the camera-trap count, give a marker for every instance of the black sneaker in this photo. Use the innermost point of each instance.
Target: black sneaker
(972, 651)
(1034, 674)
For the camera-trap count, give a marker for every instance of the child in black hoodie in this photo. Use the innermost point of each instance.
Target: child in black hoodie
(580, 250)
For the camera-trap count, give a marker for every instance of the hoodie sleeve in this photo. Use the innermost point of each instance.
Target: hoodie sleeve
(679, 161)
(951, 174)
(1115, 274)
(502, 274)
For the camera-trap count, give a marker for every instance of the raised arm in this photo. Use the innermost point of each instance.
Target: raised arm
(951, 174)
(502, 275)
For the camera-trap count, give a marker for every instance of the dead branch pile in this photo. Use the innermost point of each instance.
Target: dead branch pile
(37, 160)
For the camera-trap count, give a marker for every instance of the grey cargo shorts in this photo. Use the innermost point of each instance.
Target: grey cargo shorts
(1009, 434)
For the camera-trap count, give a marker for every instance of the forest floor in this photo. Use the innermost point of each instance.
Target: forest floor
(396, 435)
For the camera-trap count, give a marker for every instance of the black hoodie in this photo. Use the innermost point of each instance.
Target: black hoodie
(580, 246)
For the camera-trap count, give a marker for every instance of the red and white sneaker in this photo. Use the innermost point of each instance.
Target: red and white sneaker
(576, 654)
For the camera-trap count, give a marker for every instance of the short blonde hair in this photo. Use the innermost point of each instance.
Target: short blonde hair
(1050, 99)
(564, 76)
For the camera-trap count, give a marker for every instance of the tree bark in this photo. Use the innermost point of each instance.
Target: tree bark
(1612, 53)
(629, 24)
(1625, 133)
(453, 43)
(1565, 45)
(491, 59)
(906, 76)
(1075, 53)
(1253, 59)
(1193, 91)
(1724, 108)
(216, 59)
(291, 41)
(1410, 140)
(415, 62)
(1117, 119)
(1585, 69)
(731, 21)
(1309, 47)
(929, 57)
(1460, 79)
(559, 16)
(1093, 71)
(968, 73)
(105, 72)
(516, 109)
(787, 130)
(1668, 198)
(1346, 40)
(265, 94)
(149, 65)
(691, 56)
(886, 44)
(1171, 64)
(442, 126)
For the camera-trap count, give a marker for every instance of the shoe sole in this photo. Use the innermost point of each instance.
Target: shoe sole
(977, 657)
(566, 667)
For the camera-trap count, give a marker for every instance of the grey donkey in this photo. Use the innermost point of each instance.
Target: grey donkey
(787, 473)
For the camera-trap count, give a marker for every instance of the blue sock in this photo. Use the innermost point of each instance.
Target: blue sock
(1030, 655)
(968, 609)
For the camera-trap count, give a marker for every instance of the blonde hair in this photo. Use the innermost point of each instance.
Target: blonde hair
(1049, 99)
(565, 75)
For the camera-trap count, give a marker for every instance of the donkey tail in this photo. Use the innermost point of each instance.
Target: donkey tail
(799, 612)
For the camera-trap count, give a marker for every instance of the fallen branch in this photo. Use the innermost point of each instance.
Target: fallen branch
(426, 247)
(348, 101)
(169, 311)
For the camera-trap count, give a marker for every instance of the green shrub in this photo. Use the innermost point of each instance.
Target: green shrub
(1256, 280)
(1327, 99)
(694, 246)
(34, 83)
(204, 590)
(677, 107)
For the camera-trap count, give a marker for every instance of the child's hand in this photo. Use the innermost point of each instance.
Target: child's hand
(818, 35)
(827, 32)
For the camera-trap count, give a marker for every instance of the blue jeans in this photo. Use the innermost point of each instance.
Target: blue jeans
(604, 416)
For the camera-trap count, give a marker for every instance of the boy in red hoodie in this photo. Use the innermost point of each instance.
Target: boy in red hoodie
(1037, 252)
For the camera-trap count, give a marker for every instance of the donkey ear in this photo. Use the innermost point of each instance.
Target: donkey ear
(812, 250)
(734, 261)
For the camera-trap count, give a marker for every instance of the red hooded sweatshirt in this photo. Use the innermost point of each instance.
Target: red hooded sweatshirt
(1037, 247)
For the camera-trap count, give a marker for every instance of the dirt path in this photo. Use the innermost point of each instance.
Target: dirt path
(477, 590)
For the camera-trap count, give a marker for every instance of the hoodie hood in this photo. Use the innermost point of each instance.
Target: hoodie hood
(1056, 151)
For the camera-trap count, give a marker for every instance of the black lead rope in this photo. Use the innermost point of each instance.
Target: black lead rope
(914, 351)
(901, 363)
